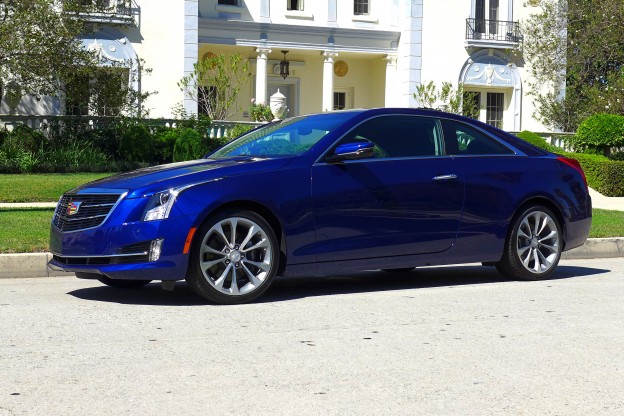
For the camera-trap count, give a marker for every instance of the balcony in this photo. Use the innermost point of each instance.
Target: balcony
(112, 12)
(496, 34)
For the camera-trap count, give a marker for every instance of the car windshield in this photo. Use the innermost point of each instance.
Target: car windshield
(289, 137)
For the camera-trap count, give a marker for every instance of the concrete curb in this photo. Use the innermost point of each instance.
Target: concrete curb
(597, 248)
(28, 265)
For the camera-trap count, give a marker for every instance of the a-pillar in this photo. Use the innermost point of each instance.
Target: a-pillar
(328, 80)
(391, 82)
(261, 75)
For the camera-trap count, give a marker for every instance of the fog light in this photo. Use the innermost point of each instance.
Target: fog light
(155, 247)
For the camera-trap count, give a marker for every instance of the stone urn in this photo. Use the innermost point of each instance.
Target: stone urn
(277, 102)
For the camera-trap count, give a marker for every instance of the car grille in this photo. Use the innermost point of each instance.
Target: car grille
(93, 210)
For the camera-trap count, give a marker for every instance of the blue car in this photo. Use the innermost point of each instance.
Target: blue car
(323, 194)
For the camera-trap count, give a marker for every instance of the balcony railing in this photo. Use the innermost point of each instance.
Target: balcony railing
(120, 12)
(493, 33)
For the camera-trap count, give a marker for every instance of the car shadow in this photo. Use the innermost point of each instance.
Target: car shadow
(284, 289)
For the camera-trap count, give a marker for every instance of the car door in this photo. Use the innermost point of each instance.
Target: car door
(492, 173)
(406, 199)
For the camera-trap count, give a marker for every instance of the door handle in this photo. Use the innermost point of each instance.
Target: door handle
(445, 177)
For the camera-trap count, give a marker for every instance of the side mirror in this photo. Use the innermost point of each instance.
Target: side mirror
(352, 151)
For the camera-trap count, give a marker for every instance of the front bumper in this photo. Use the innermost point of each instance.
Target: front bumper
(121, 250)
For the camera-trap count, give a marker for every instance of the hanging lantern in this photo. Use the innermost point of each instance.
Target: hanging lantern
(284, 66)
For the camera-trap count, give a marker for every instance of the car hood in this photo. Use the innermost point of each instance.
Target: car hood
(152, 179)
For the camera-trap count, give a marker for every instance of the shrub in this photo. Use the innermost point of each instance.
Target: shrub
(538, 141)
(74, 156)
(136, 144)
(260, 112)
(600, 132)
(238, 130)
(189, 145)
(26, 138)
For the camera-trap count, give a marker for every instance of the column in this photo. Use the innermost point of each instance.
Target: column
(392, 89)
(265, 11)
(261, 75)
(409, 64)
(191, 48)
(328, 80)
(332, 13)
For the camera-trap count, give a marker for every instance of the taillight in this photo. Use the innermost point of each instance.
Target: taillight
(574, 164)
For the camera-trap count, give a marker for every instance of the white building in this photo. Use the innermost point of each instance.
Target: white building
(342, 53)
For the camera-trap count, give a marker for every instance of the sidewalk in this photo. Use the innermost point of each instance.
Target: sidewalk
(35, 264)
(606, 202)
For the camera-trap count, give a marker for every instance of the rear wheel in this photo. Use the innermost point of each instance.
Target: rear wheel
(117, 283)
(533, 248)
(234, 259)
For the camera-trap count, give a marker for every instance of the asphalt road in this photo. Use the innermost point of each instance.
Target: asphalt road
(447, 341)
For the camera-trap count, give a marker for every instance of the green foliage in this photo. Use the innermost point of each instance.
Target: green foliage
(451, 99)
(260, 112)
(40, 45)
(570, 46)
(600, 132)
(165, 141)
(136, 144)
(104, 91)
(426, 94)
(239, 130)
(189, 145)
(215, 84)
(538, 141)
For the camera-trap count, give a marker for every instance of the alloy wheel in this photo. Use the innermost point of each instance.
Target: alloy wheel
(235, 256)
(538, 242)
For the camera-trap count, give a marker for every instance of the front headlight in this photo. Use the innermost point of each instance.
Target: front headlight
(159, 206)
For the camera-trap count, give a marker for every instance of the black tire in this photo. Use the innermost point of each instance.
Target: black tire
(533, 246)
(116, 283)
(232, 271)
(399, 270)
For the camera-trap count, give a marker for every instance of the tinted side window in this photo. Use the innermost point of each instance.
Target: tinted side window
(399, 136)
(461, 139)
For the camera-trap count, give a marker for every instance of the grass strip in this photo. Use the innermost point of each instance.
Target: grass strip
(607, 223)
(41, 187)
(27, 230)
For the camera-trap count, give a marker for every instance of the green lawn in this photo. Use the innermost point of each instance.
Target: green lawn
(607, 223)
(27, 230)
(41, 187)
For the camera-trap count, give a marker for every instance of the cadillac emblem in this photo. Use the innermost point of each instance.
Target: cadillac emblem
(73, 207)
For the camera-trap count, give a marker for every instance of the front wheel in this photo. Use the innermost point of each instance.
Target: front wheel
(234, 259)
(533, 248)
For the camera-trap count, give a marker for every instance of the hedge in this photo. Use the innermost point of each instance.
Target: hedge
(538, 141)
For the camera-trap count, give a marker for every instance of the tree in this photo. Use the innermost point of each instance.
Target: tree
(41, 52)
(39, 45)
(451, 99)
(576, 60)
(215, 84)
(105, 91)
